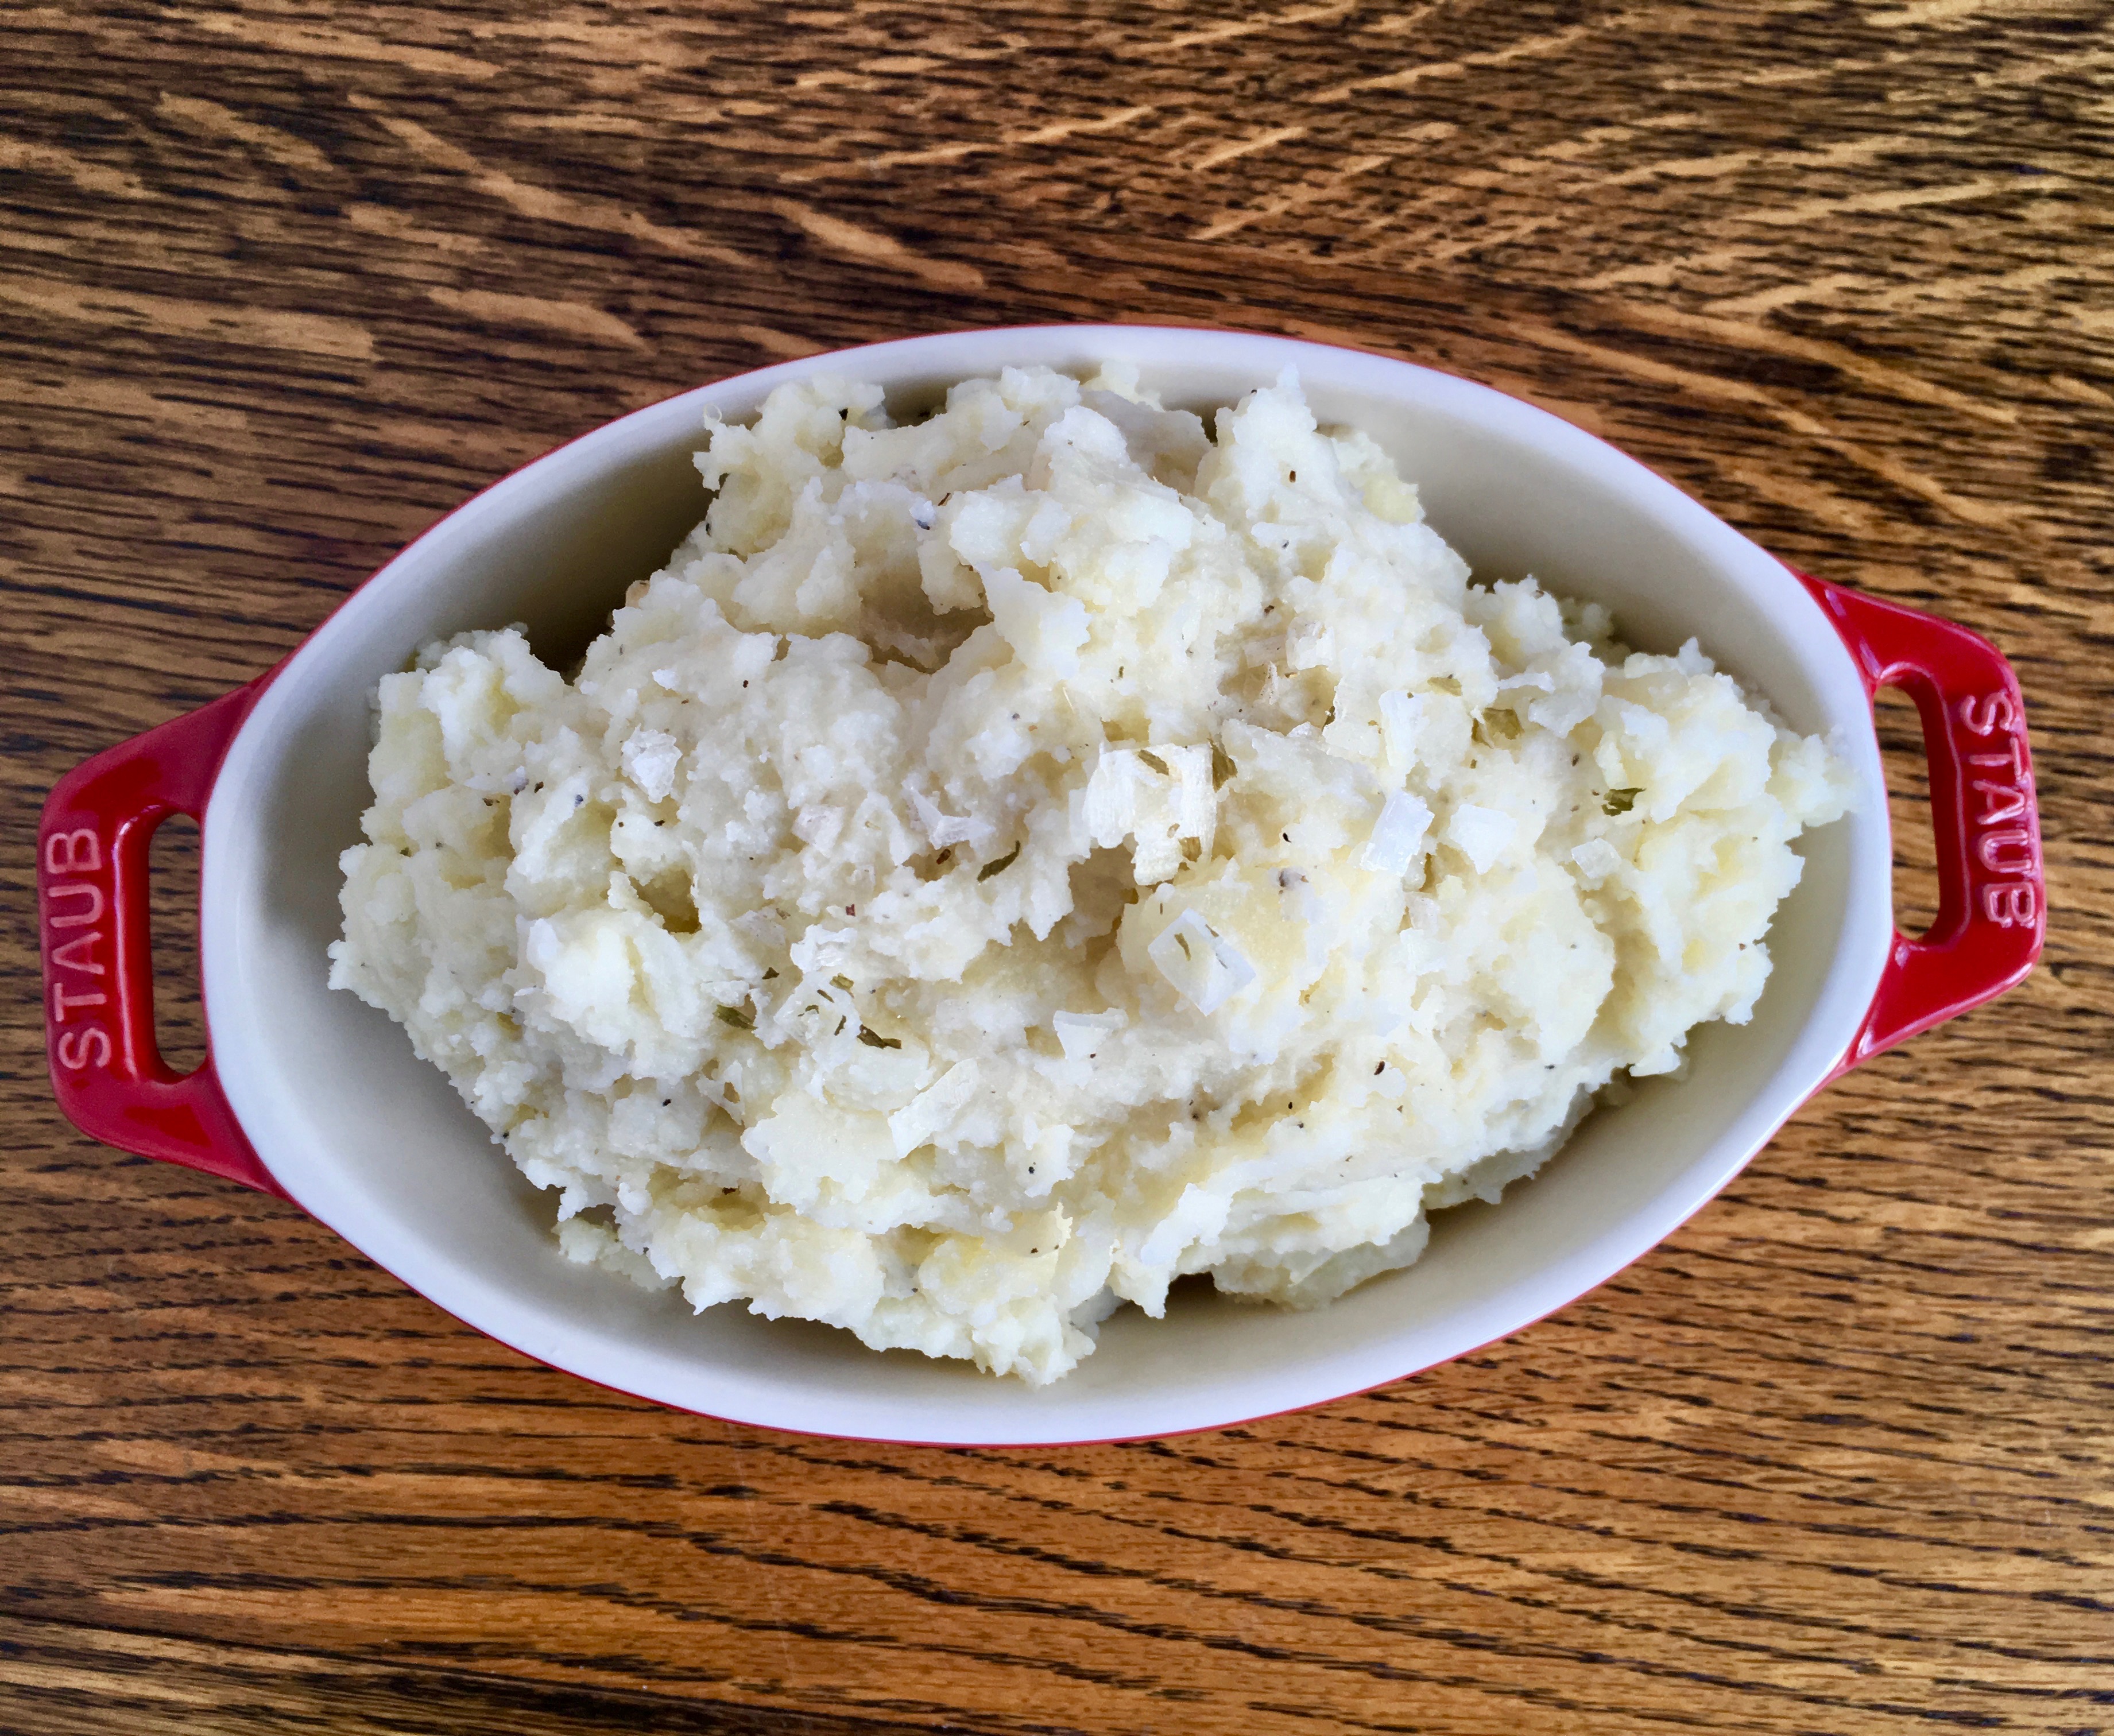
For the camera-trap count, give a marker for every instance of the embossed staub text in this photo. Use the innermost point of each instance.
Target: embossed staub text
(76, 913)
(2004, 856)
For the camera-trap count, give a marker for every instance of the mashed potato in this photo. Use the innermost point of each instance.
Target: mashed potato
(1002, 863)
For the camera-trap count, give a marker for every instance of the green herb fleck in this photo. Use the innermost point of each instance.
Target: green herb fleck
(1621, 801)
(1153, 759)
(1222, 765)
(844, 983)
(872, 1041)
(739, 1017)
(1001, 865)
(1182, 942)
(1504, 724)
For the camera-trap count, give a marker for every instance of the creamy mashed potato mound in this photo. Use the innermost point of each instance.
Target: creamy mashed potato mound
(1004, 863)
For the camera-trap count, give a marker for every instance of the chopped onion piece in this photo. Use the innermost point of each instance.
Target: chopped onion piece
(934, 1110)
(1398, 836)
(1156, 796)
(1401, 719)
(1080, 1034)
(1204, 969)
(1111, 803)
(943, 829)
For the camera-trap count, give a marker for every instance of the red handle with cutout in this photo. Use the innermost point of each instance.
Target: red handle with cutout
(92, 844)
(1992, 906)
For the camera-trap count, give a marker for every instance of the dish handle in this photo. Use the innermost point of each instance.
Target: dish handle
(1993, 903)
(91, 869)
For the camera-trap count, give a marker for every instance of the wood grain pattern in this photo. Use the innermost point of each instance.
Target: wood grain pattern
(280, 282)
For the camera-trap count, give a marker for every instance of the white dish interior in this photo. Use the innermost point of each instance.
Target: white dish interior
(376, 1145)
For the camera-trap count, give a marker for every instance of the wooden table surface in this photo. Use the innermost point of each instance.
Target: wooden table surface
(281, 282)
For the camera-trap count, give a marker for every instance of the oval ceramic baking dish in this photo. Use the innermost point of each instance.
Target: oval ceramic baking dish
(314, 1096)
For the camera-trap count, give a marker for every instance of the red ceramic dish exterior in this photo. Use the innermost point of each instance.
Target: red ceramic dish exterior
(112, 1083)
(92, 848)
(1993, 905)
